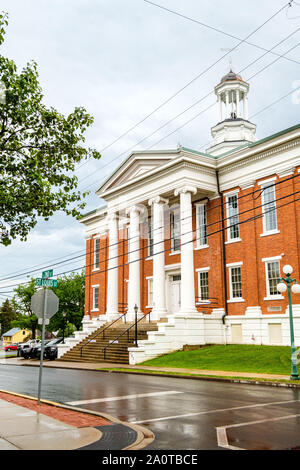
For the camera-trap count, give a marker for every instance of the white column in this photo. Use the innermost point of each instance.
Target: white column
(134, 255)
(159, 285)
(245, 100)
(112, 310)
(227, 104)
(187, 250)
(220, 107)
(237, 97)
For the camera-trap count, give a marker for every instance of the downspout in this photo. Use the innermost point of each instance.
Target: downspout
(223, 252)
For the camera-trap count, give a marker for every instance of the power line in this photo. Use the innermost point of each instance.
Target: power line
(191, 106)
(241, 41)
(258, 216)
(70, 260)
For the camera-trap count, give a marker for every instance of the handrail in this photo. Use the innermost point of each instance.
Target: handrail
(102, 331)
(126, 331)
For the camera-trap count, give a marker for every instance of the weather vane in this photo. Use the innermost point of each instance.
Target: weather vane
(229, 58)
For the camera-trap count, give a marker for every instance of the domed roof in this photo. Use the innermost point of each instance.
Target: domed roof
(231, 76)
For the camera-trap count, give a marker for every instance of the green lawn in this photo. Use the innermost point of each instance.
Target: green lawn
(233, 357)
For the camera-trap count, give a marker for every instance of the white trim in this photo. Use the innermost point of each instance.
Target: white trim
(234, 240)
(269, 296)
(172, 253)
(199, 270)
(228, 223)
(96, 267)
(203, 204)
(272, 258)
(202, 247)
(270, 232)
(263, 208)
(232, 265)
(231, 192)
(231, 298)
(268, 180)
(235, 300)
(202, 270)
(95, 285)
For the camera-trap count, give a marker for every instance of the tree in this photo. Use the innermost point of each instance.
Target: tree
(7, 315)
(70, 291)
(26, 318)
(39, 149)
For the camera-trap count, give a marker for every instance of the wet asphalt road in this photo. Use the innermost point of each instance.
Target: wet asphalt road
(184, 414)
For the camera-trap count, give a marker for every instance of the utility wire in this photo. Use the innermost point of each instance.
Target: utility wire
(241, 41)
(127, 240)
(255, 217)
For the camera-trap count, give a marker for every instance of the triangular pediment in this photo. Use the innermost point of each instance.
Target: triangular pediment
(134, 167)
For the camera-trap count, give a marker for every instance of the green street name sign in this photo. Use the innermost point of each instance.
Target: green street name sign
(46, 274)
(46, 282)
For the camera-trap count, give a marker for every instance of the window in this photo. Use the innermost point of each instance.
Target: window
(203, 285)
(175, 232)
(273, 277)
(150, 238)
(96, 298)
(233, 231)
(96, 253)
(150, 292)
(235, 282)
(201, 224)
(269, 208)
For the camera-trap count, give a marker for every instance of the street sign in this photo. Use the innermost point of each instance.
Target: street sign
(43, 282)
(46, 274)
(38, 300)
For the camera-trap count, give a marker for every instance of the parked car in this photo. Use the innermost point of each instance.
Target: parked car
(50, 350)
(26, 346)
(31, 351)
(11, 347)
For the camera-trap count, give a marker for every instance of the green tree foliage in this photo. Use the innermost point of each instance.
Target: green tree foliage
(70, 292)
(39, 148)
(26, 318)
(7, 315)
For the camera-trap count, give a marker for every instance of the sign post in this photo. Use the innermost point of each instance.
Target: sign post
(44, 304)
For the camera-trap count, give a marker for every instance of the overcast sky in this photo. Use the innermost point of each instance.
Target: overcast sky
(121, 59)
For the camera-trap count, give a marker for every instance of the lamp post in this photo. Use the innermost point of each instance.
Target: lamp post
(136, 335)
(289, 284)
(64, 319)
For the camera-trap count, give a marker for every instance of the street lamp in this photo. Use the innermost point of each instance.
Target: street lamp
(64, 318)
(289, 284)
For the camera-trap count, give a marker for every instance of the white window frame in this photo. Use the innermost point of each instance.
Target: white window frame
(265, 184)
(203, 206)
(200, 300)
(95, 266)
(269, 295)
(228, 224)
(149, 302)
(94, 287)
(231, 266)
(172, 225)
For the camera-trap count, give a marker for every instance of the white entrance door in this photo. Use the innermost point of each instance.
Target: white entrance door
(174, 293)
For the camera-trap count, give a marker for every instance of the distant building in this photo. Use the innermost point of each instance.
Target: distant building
(200, 238)
(16, 335)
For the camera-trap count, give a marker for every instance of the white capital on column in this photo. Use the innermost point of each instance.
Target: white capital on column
(159, 288)
(112, 310)
(187, 249)
(134, 255)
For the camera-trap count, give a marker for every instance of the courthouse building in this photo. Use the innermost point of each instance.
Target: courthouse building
(197, 239)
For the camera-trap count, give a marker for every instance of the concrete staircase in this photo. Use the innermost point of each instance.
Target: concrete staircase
(90, 348)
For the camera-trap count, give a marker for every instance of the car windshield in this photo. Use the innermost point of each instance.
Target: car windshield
(53, 341)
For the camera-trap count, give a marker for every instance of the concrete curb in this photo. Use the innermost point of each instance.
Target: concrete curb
(206, 377)
(144, 435)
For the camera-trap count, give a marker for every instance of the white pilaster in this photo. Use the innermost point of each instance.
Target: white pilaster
(187, 250)
(237, 97)
(159, 289)
(227, 104)
(134, 255)
(112, 310)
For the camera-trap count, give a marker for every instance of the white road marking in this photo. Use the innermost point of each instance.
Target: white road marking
(220, 410)
(222, 433)
(124, 397)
